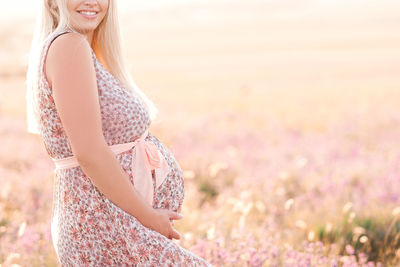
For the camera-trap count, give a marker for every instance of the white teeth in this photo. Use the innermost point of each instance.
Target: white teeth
(88, 13)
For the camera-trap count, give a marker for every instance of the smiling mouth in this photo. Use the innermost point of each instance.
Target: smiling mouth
(88, 14)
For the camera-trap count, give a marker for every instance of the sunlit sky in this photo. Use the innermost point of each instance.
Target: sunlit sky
(318, 44)
(27, 8)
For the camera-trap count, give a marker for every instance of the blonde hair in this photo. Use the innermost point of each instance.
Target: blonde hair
(106, 42)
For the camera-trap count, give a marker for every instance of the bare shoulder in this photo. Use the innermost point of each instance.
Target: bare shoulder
(65, 51)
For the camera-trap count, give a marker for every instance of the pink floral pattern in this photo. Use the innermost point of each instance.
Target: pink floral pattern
(87, 228)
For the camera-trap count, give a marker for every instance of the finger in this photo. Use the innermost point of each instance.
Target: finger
(175, 234)
(175, 215)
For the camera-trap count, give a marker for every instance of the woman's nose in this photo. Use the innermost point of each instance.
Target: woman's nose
(90, 2)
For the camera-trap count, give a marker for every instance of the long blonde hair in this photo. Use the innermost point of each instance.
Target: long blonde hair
(106, 42)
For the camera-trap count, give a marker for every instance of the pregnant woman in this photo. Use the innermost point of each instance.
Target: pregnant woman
(117, 188)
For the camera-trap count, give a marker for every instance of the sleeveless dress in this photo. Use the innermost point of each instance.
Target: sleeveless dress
(88, 229)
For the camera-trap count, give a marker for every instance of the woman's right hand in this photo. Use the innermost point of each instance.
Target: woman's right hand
(162, 223)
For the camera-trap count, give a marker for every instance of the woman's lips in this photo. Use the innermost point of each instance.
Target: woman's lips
(88, 14)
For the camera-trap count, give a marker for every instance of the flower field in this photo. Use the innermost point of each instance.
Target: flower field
(289, 141)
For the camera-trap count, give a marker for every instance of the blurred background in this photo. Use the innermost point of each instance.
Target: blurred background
(284, 116)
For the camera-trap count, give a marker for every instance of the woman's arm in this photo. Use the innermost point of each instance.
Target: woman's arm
(70, 70)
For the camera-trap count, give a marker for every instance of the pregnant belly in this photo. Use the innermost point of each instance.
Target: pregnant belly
(171, 192)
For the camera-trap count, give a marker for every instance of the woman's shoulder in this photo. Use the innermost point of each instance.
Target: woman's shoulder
(67, 48)
(67, 42)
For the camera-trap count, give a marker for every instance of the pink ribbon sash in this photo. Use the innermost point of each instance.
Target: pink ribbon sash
(145, 158)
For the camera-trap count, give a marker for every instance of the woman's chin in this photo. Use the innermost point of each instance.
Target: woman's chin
(87, 27)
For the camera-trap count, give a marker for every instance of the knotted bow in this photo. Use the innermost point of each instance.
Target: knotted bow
(145, 158)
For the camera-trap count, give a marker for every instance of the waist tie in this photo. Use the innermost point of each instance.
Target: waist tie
(145, 158)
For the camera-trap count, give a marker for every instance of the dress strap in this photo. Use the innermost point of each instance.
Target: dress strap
(47, 43)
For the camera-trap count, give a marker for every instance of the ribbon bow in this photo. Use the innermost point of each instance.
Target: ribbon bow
(145, 158)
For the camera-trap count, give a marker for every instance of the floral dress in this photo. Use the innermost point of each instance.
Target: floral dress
(87, 229)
